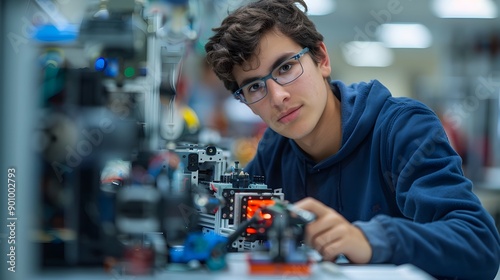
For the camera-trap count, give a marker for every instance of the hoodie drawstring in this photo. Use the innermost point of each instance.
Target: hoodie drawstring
(339, 191)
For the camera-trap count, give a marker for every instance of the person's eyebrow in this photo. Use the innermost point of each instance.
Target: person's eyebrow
(280, 60)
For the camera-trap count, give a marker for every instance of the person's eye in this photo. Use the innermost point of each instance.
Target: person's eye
(255, 87)
(285, 68)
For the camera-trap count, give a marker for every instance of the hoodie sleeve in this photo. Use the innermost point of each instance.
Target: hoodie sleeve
(446, 231)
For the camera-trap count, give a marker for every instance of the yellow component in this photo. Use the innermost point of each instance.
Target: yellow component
(191, 119)
(244, 149)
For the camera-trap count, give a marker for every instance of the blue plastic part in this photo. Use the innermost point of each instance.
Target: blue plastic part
(176, 254)
(112, 67)
(50, 33)
(204, 247)
(100, 64)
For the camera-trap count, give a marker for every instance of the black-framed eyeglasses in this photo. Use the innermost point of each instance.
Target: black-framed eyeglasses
(287, 72)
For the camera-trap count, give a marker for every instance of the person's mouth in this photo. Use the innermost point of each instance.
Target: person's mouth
(289, 115)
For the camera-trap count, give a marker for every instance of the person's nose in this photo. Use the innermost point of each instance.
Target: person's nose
(277, 93)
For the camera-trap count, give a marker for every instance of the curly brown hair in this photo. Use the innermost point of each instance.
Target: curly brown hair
(238, 37)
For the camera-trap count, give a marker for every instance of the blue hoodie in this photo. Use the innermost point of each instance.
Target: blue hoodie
(397, 178)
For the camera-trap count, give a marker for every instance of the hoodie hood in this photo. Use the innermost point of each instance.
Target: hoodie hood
(358, 120)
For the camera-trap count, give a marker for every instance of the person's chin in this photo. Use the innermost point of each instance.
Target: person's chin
(290, 131)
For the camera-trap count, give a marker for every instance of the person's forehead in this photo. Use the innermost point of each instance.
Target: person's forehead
(272, 46)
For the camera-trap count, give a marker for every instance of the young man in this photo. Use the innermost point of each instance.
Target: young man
(378, 171)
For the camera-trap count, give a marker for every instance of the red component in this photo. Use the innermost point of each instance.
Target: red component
(303, 269)
(213, 188)
(253, 205)
(251, 230)
(267, 267)
(138, 260)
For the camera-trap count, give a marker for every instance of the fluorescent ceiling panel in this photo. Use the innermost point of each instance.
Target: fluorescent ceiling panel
(404, 35)
(464, 8)
(367, 54)
(320, 7)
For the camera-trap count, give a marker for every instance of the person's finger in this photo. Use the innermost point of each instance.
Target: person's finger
(313, 205)
(332, 242)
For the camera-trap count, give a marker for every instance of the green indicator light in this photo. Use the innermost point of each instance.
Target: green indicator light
(129, 72)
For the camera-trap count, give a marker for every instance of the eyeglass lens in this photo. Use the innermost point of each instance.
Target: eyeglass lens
(285, 73)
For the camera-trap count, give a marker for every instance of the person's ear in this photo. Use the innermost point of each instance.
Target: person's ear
(324, 61)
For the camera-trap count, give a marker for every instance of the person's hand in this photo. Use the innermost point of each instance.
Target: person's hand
(331, 234)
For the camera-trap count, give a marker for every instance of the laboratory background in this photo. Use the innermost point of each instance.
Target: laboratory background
(97, 96)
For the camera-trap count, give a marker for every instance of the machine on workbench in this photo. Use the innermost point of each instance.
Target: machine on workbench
(145, 195)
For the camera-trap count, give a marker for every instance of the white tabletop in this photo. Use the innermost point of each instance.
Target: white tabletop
(238, 269)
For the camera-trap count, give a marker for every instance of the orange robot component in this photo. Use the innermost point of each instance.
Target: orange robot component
(253, 207)
(299, 269)
(282, 225)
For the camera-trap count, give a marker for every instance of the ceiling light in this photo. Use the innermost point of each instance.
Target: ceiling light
(404, 35)
(319, 7)
(464, 8)
(367, 54)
